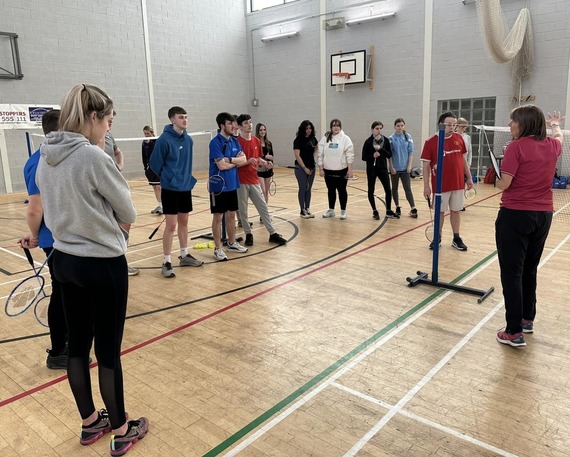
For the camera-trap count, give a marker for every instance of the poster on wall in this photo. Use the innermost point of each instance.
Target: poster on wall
(23, 116)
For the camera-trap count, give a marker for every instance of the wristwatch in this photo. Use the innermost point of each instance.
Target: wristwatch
(230, 160)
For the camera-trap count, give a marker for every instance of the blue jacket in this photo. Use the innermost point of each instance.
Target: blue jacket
(401, 150)
(172, 160)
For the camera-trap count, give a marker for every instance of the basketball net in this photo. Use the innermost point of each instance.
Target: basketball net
(340, 79)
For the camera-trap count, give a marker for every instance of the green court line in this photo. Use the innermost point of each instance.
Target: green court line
(230, 441)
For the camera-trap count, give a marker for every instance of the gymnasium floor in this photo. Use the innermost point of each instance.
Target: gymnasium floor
(314, 348)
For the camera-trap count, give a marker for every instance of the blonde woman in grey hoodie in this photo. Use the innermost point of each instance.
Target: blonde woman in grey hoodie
(334, 159)
(85, 198)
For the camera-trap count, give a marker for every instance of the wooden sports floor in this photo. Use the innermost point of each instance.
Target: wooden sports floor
(316, 348)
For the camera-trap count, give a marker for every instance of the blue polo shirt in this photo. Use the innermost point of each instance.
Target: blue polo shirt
(218, 151)
(45, 239)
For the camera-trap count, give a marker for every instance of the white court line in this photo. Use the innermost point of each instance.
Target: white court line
(429, 376)
(429, 423)
(20, 256)
(349, 366)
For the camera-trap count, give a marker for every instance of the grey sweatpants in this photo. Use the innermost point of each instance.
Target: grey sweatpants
(253, 192)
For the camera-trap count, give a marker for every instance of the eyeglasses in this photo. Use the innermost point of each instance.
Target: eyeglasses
(451, 125)
(336, 125)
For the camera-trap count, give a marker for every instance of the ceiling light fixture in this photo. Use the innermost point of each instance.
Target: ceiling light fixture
(266, 39)
(363, 20)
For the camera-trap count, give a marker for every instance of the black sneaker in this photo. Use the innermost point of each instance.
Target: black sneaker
(431, 245)
(414, 213)
(276, 238)
(375, 215)
(459, 244)
(57, 362)
(136, 431)
(248, 239)
(392, 215)
(398, 211)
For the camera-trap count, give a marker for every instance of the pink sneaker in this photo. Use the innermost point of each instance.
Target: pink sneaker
(516, 340)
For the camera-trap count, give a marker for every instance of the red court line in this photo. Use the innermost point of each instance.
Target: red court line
(226, 308)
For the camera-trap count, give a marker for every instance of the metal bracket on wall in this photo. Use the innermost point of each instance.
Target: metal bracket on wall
(370, 68)
(16, 71)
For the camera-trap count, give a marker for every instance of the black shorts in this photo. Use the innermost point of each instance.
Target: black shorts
(153, 178)
(265, 174)
(174, 202)
(226, 201)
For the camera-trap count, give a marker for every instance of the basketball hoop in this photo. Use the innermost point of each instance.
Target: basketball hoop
(339, 80)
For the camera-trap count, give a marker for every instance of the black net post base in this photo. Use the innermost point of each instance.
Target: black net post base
(422, 278)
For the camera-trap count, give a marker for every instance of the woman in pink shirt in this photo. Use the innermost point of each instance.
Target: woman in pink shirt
(525, 215)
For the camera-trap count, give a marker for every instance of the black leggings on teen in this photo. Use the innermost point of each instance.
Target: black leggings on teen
(371, 174)
(95, 294)
(336, 182)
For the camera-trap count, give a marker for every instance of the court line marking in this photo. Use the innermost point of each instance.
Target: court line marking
(374, 342)
(423, 382)
(427, 422)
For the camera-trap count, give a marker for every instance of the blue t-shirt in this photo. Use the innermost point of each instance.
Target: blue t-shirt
(221, 147)
(45, 238)
(402, 149)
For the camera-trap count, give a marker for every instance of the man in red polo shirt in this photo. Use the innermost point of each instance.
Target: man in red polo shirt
(455, 169)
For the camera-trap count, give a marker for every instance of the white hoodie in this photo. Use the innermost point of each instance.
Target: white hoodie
(336, 154)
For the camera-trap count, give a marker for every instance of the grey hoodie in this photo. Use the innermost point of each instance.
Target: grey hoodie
(84, 197)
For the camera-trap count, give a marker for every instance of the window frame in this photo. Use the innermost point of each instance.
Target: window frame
(252, 10)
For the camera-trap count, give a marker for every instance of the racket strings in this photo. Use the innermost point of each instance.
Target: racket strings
(23, 298)
(216, 184)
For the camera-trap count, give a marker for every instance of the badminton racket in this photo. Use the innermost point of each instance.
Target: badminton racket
(28, 291)
(156, 229)
(216, 185)
(273, 187)
(470, 194)
(41, 310)
(429, 228)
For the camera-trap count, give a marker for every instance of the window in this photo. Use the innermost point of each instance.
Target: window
(477, 111)
(258, 5)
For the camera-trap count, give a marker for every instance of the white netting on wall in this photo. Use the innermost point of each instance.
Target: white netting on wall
(496, 138)
(516, 47)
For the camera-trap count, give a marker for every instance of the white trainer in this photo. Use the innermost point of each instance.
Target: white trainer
(220, 254)
(343, 215)
(236, 247)
(329, 213)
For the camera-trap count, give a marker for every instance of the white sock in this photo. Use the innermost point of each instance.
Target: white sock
(167, 258)
(183, 252)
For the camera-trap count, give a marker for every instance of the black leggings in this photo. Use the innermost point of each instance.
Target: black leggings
(336, 182)
(371, 175)
(56, 315)
(95, 292)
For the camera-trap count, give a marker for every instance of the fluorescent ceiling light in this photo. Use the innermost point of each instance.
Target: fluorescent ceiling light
(265, 39)
(363, 20)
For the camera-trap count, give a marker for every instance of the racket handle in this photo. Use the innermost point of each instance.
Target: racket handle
(153, 233)
(156, 229)
(429, 201)
(29, 257)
